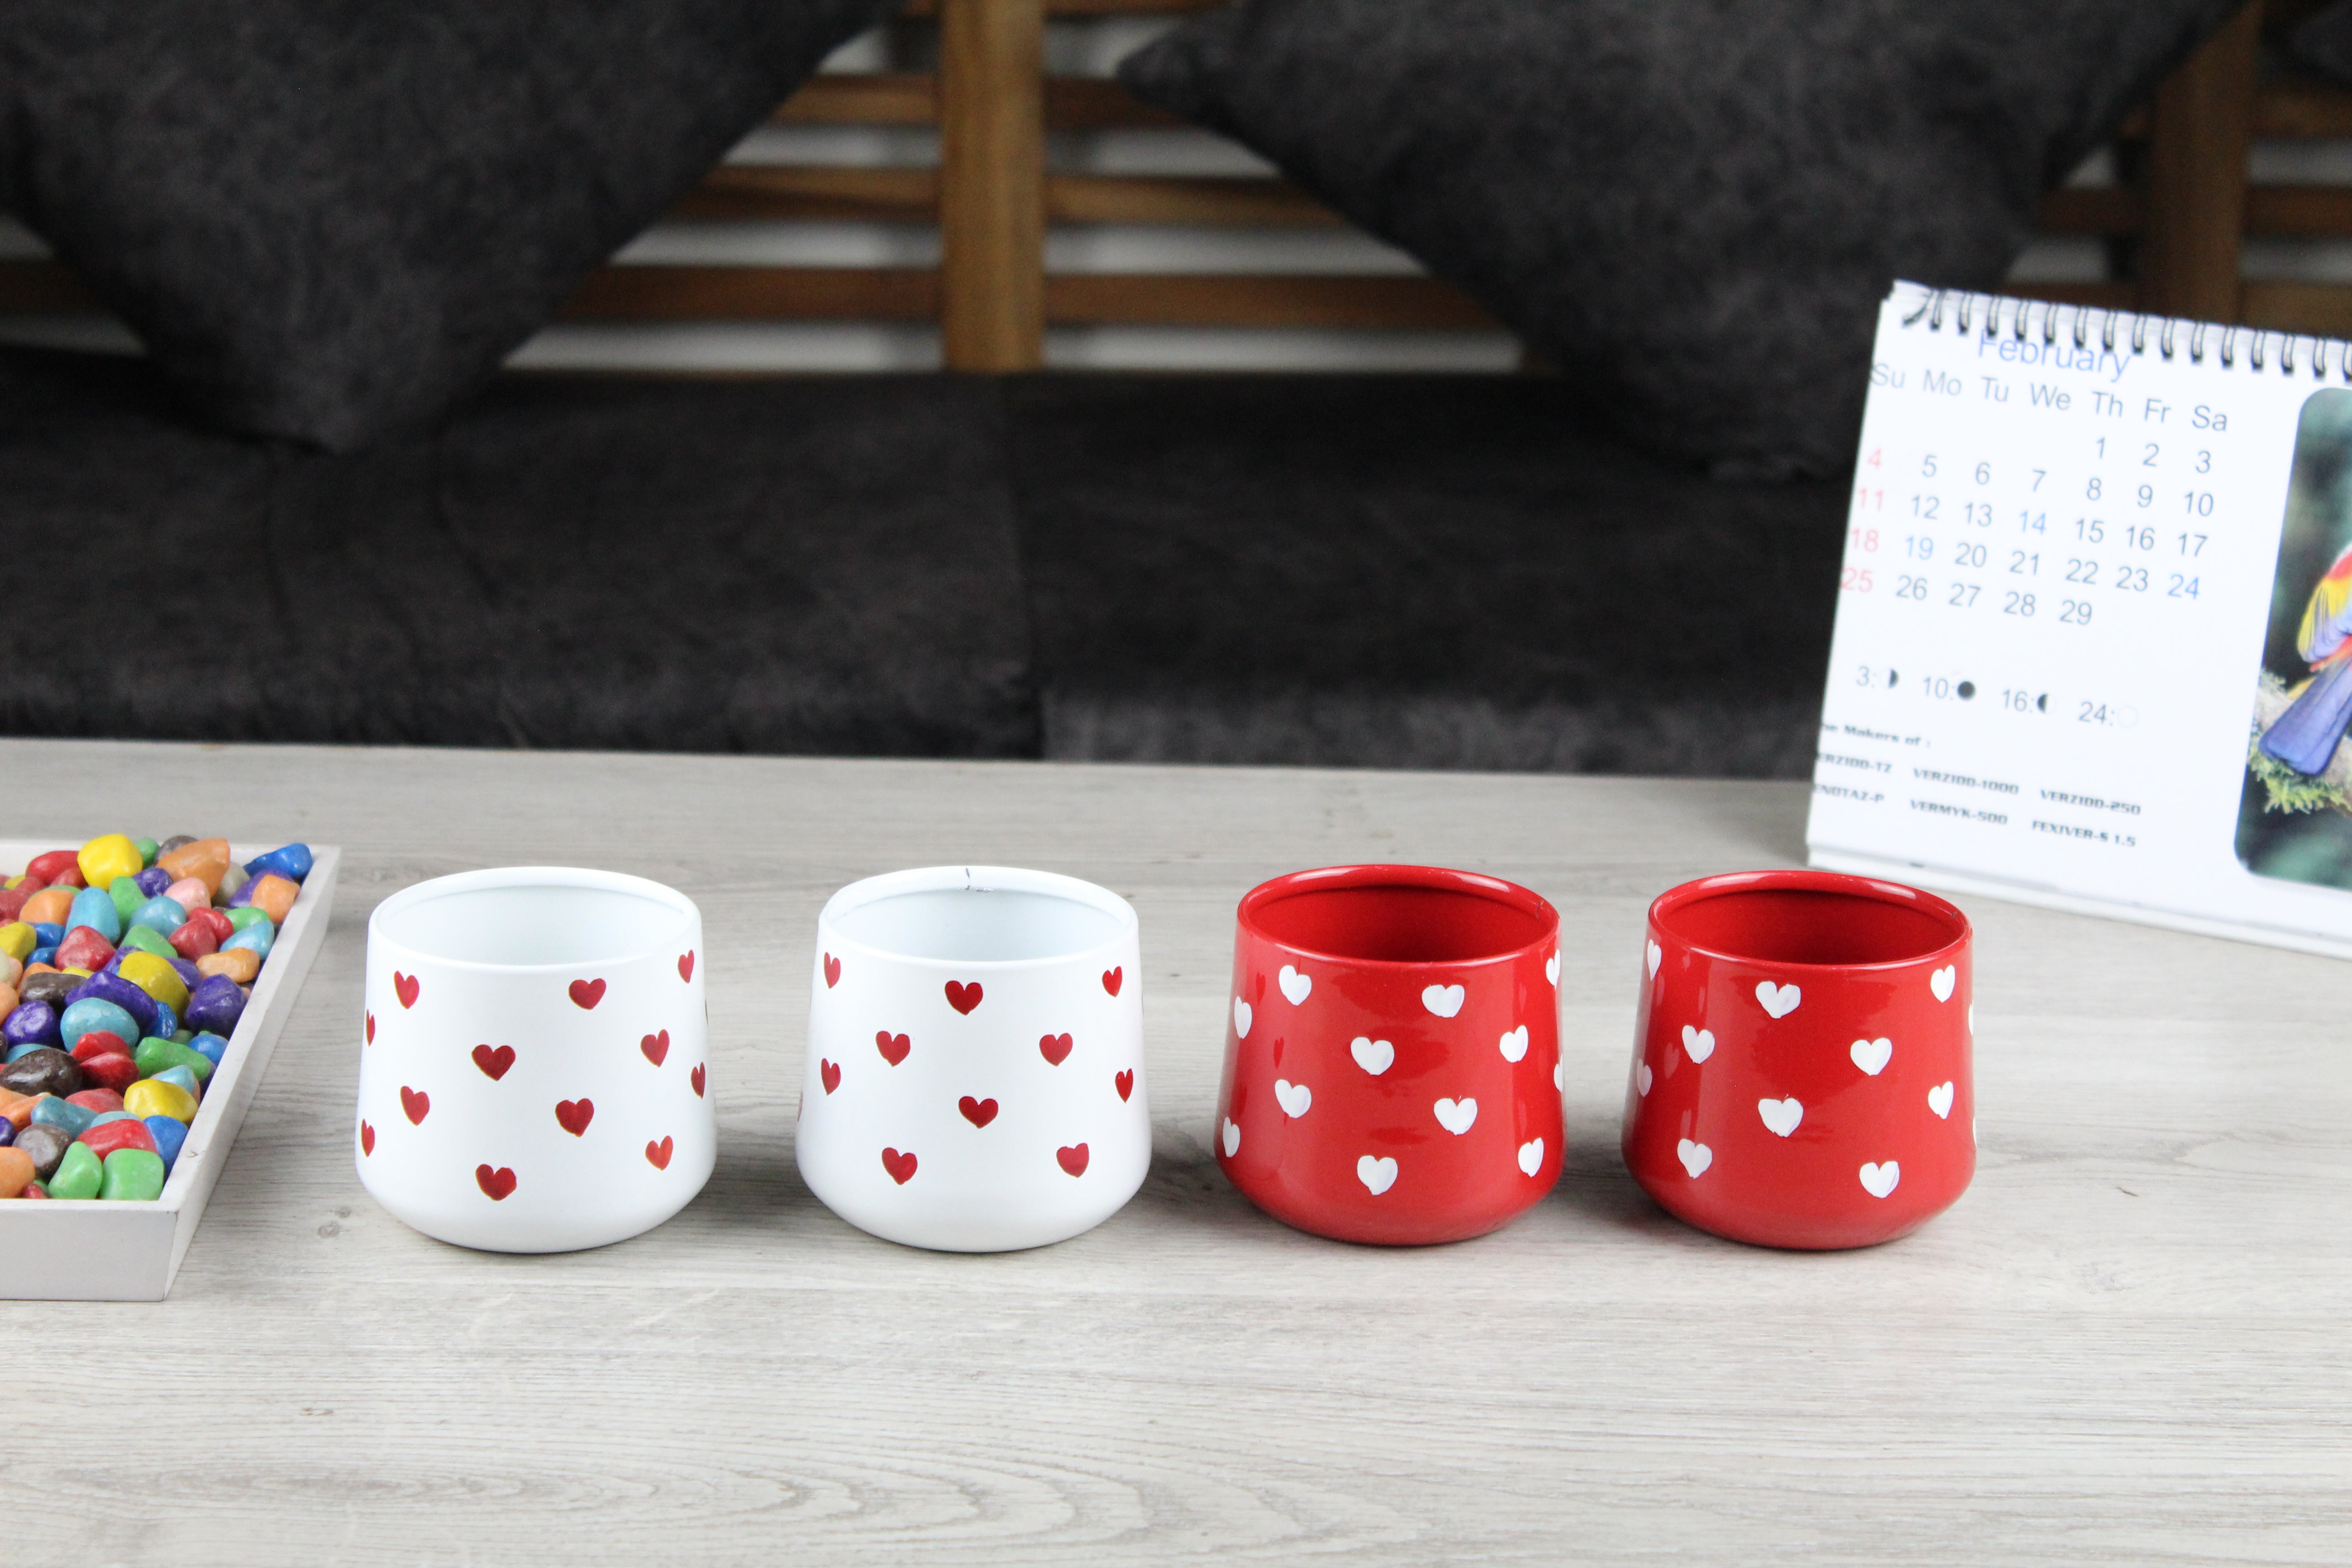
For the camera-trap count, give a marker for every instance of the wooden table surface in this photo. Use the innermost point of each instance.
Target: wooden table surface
(2127, 1344)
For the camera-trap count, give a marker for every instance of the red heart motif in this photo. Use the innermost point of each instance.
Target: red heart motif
(371, 1028)
(964, 998)
(496, 1184)
(367, 1138)
(979, 1112)
(1126, 1082)
(404, 987)
(832, 972)
(829, 1071)
(573, 1115)
(685, 968)
(696, 1078)
(894, 1047)
(656, 1046)
(1114, 978)
(417, 1102)
(657, 1154)
(1073, 1159)
(1054, 1048)
(494, 1064)
(900, 1167)
(586, 993)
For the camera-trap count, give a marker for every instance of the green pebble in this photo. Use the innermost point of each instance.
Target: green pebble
(78, 1174)
(248, 916)
(144, 939)
(155, 1053)
(132, 1175)
(146, 847)
(182, 1036)
(124, 892)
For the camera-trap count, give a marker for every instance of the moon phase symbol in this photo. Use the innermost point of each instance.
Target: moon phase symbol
(2041, 703)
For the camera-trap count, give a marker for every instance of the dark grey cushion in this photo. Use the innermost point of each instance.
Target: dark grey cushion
(2324, 42)
(1692, 206)
(331, 218)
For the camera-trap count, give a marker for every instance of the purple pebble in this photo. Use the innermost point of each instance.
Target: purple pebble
(214, 1005)
(7, 1132)
(243, 897)
(152, 880)
(32, 1024)
(123, 993)
(189, 975)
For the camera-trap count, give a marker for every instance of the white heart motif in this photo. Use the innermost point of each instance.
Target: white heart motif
(1232, 1140)
(1531, 1156)
(1515, 1043)
(1372, 1056)
(1657, 956)
(1379, 1175)
(1641, 1078)
(1551, 967)
(1940, 983)
(1294, 1098)
(1972, 1020)
(1781, 1116)
(1295, 986)
(1559, 1077)
(1442, 1000)
(1456, 1115)
(1241, 1018)
(1696, 1157)
(1879, 1180)
(1940, 1100)
(1872, 1055)
(1697, 1044)
(1778, 1000)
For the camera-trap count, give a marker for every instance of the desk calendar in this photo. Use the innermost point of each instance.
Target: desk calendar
(2094, 640)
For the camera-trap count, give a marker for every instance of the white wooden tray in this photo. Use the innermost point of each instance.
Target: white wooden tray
(113, 1251)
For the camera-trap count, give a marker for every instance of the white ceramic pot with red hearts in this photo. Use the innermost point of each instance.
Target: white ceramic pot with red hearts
(975, 1058)
(534, 1067)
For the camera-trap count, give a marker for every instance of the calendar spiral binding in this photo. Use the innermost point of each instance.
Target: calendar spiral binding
(2023, 320)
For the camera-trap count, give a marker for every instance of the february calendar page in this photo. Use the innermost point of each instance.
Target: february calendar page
(2094, 640)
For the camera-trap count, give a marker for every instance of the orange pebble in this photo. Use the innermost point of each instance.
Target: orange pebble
(207, 860)
(239, 964)
(18, 1107)
(33, 969)
(15, 1171)
(274, 896)
(47, 907)
(8, 998)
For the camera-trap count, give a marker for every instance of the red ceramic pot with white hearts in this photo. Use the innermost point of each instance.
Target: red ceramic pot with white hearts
(1801, 1072)
(1392, 1053)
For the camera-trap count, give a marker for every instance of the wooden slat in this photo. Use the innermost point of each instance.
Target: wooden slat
(1210, 201)
(1097, 103)
(42, 288)
(2303, 212)
(1087, 298)
(846, 99)
(2297, 107)
(2196, 224)
(1091, 7)
(791, 192)
(2096, 211)
(2324, 308)
(992, 183)
(755, 294)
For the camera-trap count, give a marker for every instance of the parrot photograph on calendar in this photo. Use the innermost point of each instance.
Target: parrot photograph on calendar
(2295, 819)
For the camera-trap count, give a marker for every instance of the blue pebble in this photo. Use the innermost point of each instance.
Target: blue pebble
(30, 1024)
(210, 1046)
(189, 975)
(48, 933)
(185, 1076)
(169, 1136)
(92, 1013)
(162, 915)
(65, 1113)
(259, 938)
(24, 1050)
(151, 881)
(291, 861)
(123, 993)
(93, 907)
(167, 1023)
(42, 955)
(103, 1116)
(217, 1004)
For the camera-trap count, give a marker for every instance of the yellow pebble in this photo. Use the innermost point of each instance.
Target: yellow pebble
(8, 999)
(156, 978)
(239, 964)
(12, 969)
(109, 856)
(18, 940)
(151, 1097)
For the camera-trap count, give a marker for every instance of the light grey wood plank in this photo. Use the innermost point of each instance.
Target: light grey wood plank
(2127, 1343)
